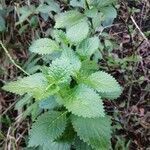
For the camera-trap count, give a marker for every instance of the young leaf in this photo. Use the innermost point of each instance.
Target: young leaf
(60, 71)
(88, 46)
(47, 128)
(78, 32)
(105, 84)
(60, 36)
(94, 131)
(44, 46)
(67, 19)
(64, 67)
(73, 59)
(84, 102)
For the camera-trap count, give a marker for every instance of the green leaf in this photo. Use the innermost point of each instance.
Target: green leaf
(78, 32)
(110, 14)
(105, 84)
(80, 145)
(73, 60)
(88, 47)
(91, 12)
(101, 3)
(64, 67)
(25, 12)
(94, 131)
(77, 3)
(52, 6)
(48, 103)
(47, 128)
(67, 19)
(44, 46)
(97, 20)
(32, 84)
(32, 110)
(60, 36)
(84, 102)
(36, 85)
(60, 71)
(88, 67)
(23, 101)
(57, 145)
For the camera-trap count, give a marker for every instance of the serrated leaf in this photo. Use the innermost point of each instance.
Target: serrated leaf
(84, 102)
(94, 131)
(78, 32)
(67, 19)
(32, 84)
(60, 36)
(57, 145)
(44, 46)
(60, 71)
(110, 14)
(87, 68)
(88, 47)
(64, 67)
(35, 85)
(47, 128)
(73, 60)
(105, 84)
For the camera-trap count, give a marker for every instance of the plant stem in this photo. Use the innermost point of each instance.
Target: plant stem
(88, 7)
(11, 59)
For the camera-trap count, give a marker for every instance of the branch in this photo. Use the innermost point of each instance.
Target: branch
(11, 59)
(142, 34)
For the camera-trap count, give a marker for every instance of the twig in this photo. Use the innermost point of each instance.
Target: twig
(11, 59)
(144, 37)
(6, 110)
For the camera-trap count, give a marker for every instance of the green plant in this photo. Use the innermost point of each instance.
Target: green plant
(70, 88)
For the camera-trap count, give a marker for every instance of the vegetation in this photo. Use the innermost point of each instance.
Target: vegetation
(66, 98)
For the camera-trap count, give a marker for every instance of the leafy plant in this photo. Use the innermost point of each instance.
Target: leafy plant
(70, 89)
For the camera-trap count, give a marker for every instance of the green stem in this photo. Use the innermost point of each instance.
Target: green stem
(11, 59)
(88, 7)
